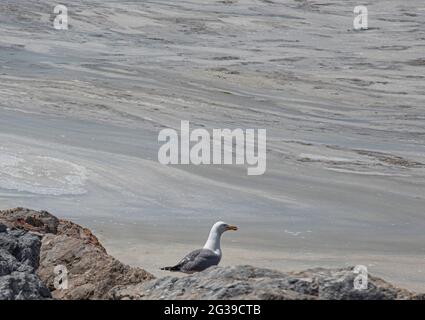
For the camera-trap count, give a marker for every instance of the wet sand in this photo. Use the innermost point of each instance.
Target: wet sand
(80, 112)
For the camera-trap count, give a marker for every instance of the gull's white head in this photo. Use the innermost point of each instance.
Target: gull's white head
(221, 227)
(213, 242)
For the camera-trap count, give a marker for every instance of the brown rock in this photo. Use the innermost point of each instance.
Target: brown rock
(75, 231)
(30, 220)
(92, 273)
(43, 222)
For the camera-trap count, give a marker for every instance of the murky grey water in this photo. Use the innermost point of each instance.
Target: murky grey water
(80, 112)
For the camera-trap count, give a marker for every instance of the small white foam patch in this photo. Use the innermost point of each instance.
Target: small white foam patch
(368, 173)
(316, 157)
(41, 174)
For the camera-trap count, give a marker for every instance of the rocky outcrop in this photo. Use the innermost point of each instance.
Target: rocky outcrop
(247, 282)
(33, 243)
(19, 259)
(92, 273)
(42, 222)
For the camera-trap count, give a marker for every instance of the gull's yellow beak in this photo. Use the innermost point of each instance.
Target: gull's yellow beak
(234, 228)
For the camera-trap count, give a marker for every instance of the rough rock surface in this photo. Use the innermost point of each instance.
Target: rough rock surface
(42, 222)
(30, 220)
(19, 256)
(92, 273)
(247, 282)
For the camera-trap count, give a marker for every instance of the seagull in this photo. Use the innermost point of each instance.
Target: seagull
(209, 255)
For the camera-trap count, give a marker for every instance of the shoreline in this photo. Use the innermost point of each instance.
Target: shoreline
(152, 253)
(38, 242)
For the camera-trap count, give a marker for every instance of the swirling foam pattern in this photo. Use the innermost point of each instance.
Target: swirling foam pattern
(41, 175)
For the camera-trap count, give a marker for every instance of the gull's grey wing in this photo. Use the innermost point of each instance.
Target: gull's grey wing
(197, 260)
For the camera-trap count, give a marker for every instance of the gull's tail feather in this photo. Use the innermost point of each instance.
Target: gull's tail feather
(173, 268)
